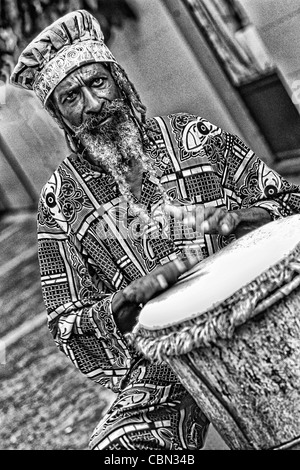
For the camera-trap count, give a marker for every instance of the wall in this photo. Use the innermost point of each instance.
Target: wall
(31, 147)
(163, 67)
(278, 23)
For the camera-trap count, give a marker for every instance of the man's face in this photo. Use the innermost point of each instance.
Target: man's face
(83, 93)
(90, 103)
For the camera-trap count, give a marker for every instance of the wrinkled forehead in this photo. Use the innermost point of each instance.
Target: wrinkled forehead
(83, 73)
(80, 76)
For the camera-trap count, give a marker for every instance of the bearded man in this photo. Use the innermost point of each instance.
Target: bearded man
(137, 203)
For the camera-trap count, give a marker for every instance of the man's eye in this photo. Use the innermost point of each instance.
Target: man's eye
(71, 97)
(98, 81)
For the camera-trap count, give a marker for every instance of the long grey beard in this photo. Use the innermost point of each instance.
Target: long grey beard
(115, 145)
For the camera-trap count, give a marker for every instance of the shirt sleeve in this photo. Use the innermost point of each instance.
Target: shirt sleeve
(254, 183)
(78, 305)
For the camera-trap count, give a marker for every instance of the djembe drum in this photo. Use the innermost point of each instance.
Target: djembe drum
(230, 330)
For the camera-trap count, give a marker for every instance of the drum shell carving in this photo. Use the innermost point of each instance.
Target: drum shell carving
(249, 385)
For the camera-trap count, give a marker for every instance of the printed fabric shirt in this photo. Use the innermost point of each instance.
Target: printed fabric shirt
(90, 245)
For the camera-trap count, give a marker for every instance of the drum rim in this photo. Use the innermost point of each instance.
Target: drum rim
(171, 342)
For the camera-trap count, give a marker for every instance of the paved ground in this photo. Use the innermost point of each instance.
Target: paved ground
(45, 404)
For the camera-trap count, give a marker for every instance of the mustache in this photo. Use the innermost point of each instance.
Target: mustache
(116, 109)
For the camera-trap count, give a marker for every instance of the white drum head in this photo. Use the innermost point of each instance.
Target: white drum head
(218, 277)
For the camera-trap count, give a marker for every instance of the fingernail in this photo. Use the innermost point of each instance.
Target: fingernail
(189, 221)
(192, 260)
(179, 265)
(225, 228)
(204, 226)
(162, 281)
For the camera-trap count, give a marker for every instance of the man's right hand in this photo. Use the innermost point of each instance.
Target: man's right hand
(127, 303)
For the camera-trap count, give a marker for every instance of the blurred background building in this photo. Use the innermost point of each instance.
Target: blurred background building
(234, 62)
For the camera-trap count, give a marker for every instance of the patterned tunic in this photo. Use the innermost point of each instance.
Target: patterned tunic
(90, 246)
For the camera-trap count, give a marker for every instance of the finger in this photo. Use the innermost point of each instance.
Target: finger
(174, 210)
(172, 270)
(228, 223)
(139, 292)
(223, 222)
(212, 218)
(189, 219)
(200, 213)
(190, 214)
(190, 262)
(145, 288)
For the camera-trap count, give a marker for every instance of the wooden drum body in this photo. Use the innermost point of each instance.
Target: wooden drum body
(230, 330)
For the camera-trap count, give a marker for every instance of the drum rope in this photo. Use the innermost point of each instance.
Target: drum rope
(221, 320)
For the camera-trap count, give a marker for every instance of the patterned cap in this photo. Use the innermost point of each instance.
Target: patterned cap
(74, 40)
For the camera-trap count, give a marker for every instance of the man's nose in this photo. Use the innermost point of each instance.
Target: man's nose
(92, 103)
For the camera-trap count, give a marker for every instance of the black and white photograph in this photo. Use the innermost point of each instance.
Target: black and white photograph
(150, 228)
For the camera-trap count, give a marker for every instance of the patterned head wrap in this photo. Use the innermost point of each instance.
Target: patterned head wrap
(74, 40)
